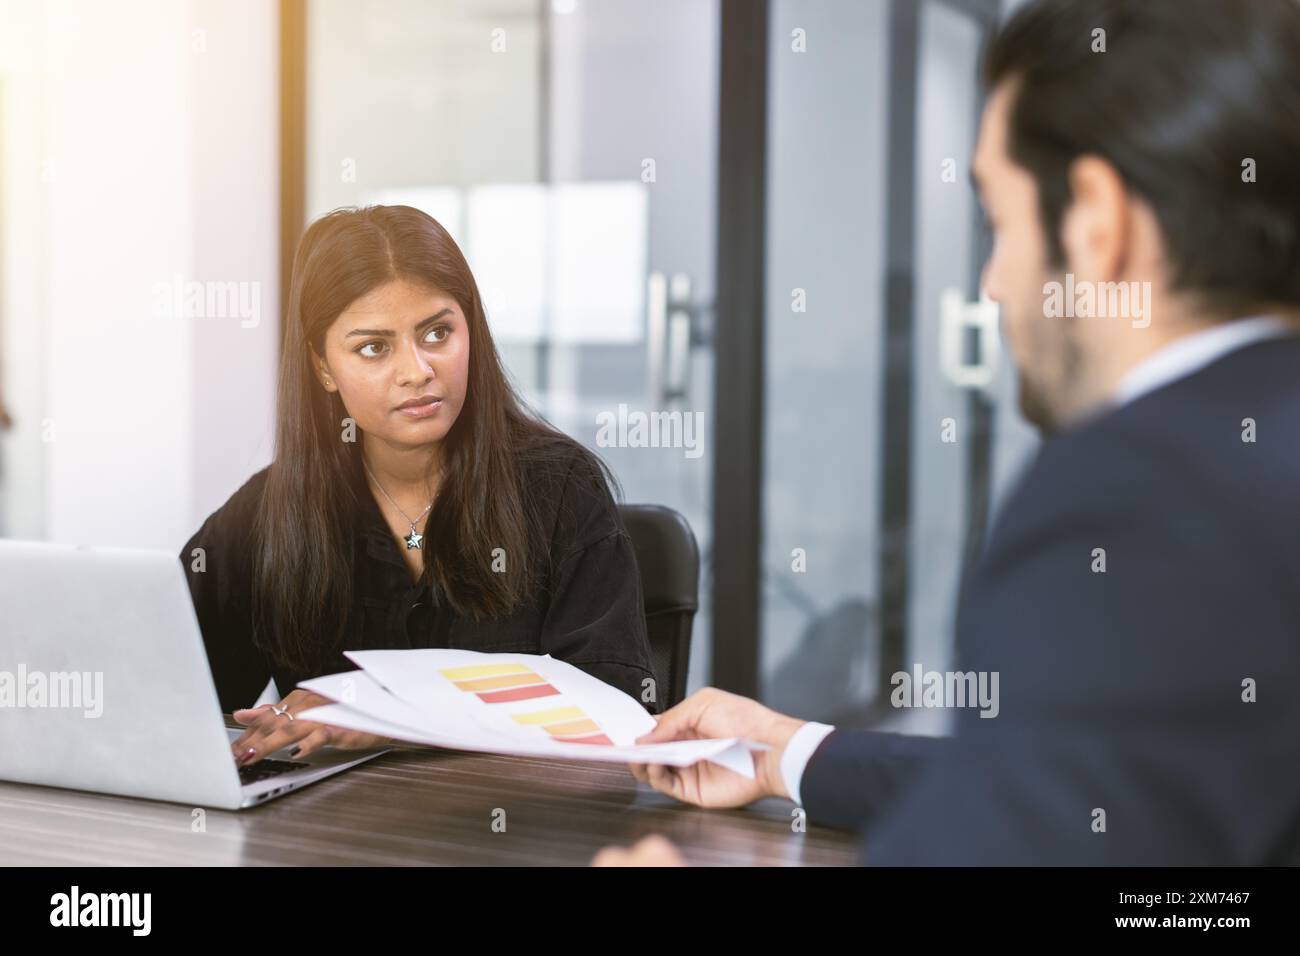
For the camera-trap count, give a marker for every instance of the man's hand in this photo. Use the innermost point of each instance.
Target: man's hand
(712, 714)
(654, 850)
(268, 731)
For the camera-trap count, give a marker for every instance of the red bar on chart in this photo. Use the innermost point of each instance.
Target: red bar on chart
(518, 693)
(592, 739)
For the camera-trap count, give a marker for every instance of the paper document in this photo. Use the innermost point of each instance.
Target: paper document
(519, 704)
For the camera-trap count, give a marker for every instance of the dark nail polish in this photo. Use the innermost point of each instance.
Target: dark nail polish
(295, 751)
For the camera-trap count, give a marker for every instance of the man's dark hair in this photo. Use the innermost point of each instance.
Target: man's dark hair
(1185, 93)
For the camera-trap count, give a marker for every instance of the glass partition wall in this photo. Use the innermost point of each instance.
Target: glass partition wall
(751, 219)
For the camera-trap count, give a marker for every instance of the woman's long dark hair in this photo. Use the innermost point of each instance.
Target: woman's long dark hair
(303, 535)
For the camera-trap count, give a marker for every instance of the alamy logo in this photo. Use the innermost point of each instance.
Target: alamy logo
(1098, 300)
(946, 689)
(637, 429)
(72, 690)
(209, 300)
(103, 909)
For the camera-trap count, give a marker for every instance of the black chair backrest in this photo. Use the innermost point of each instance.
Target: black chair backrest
(669, 561)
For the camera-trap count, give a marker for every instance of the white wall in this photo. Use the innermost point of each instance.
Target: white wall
(22, 455)
(234, 162)
(152, 127)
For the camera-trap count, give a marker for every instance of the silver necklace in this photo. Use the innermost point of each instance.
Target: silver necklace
(414, 540)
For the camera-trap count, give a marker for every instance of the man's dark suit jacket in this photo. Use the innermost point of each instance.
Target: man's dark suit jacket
(1125, 692)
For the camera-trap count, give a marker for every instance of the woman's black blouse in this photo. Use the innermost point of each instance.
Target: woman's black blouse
(589, 612)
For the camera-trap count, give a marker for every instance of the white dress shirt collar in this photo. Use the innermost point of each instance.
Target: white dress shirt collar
(1193, 352)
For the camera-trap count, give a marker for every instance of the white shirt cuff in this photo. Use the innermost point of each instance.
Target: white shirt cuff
(797, 754)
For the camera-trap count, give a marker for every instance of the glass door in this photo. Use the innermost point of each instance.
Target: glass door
(883, 374)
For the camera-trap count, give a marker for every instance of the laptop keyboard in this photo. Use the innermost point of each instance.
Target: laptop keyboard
(265, 769)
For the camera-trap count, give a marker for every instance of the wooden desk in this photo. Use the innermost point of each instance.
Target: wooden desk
(412, 806)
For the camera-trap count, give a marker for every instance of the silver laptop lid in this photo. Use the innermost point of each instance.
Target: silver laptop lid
(104, 681)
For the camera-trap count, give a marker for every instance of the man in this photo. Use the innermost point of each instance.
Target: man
(1139, 597)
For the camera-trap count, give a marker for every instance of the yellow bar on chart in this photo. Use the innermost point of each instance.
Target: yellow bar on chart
(553, 716)
(496, 683)
(483, 670)
(571, 728)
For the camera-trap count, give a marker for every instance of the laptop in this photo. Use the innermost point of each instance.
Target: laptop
(105, 685)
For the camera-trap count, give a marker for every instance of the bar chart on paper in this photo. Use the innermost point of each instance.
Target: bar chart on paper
(510, 683)
(526, 704)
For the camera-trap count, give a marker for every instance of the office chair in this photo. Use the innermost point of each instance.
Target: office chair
(669, 562)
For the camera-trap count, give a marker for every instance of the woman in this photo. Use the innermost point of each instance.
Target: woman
(412, 501)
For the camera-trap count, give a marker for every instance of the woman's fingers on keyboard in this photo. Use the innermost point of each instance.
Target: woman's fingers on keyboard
(314, 741)
(267, 737)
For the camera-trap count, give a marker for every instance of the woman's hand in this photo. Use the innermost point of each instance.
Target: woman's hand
(268, 731)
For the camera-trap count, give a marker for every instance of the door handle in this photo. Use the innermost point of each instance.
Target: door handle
(668, 337)
(956, 316)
